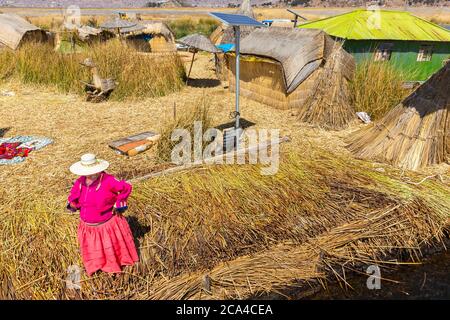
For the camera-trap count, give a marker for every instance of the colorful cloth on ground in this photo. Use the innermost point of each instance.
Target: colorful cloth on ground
(97, 201)
(108, 246)
(26, 142)
(9, 151)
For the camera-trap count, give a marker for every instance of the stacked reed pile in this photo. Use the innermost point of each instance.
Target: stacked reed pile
(414, 134)
(250, 233)
(328, 105)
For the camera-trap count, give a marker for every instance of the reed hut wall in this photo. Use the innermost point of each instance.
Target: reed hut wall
(262, 80)
(160, 44)
(138, 43)
(15, 30)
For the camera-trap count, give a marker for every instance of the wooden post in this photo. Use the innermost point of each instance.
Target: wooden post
(72, 42)
(190, 69)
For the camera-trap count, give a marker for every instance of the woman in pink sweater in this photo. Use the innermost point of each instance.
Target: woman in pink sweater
(105, 238)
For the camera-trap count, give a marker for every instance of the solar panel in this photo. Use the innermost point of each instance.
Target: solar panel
(237, 19)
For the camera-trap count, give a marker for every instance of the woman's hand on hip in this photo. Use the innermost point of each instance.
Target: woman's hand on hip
(119, 211)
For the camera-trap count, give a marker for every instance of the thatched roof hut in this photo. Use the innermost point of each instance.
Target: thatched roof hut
(154, 36)
(89, 34)
(416, 133)
(15, 30)
(79, 39)
(199, 42)
(118, 24)
(293, 68)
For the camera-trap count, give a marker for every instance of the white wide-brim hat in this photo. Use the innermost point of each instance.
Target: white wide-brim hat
(88, 165)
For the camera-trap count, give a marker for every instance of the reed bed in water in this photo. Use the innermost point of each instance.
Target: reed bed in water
(138, 75)
(248, 232)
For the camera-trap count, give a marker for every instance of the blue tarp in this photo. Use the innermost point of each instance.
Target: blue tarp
(144, 36)
(225, 47)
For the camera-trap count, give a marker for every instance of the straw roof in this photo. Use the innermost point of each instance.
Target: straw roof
(329, 105)
(199, 42)
(300, 51)
(298, 69)
(228, 34)
(117, 24)
(134, 29)
(151, 27)
(86, 32)
(14, 28)
(157, 27)
(416, 133)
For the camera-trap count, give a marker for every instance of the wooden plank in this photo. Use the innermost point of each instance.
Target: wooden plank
(210, 160)
(149, 135)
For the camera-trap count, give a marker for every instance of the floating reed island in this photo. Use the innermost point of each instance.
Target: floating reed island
(207, 234)
(217, 232)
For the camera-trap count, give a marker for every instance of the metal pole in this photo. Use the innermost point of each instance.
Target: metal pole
(237, 36)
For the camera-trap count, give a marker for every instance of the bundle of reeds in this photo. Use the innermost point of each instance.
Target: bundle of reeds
(329, 104)
(416, 133)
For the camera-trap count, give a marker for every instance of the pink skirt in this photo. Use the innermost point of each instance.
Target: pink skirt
(107, 246)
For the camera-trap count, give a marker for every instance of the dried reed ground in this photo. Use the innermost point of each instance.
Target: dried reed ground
(38, 242)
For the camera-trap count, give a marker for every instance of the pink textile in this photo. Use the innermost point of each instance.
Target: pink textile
(107, 246)
(97, 200)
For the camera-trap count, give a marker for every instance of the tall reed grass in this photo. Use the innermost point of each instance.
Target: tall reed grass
(376, 88)
(199, 112)
(55, 22)
(442, 19)
(138, 74)
(185, 26)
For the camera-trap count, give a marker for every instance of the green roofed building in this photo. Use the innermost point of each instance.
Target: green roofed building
(415, 46)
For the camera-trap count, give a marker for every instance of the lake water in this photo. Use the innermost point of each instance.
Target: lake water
(429, 280)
